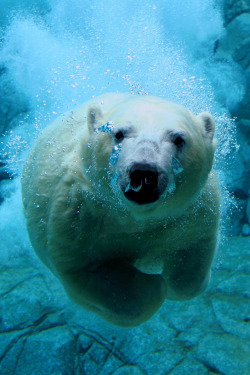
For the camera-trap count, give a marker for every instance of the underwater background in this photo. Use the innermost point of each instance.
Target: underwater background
(54, 55)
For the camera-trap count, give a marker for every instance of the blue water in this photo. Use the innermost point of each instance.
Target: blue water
(59, 53)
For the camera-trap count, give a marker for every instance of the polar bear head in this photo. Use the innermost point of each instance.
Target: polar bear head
(155, 154)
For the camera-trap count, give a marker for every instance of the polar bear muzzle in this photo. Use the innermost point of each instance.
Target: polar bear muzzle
(145, 183)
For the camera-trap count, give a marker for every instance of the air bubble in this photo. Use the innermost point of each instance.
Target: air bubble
(115, 154)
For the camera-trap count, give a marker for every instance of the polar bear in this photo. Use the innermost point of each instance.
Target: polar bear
(122, 204)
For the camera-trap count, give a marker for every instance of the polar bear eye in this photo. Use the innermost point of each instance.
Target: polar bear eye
(119, 136)
(179, 141)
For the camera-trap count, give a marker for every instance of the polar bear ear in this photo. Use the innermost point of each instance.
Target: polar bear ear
(207, 121)
(94, 117)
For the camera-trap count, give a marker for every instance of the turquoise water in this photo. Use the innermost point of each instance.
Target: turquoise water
(54, 56)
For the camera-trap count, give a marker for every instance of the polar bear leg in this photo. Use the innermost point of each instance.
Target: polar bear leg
(187, 272)
(118, 291)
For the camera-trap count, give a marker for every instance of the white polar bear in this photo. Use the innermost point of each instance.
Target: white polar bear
(122, 206)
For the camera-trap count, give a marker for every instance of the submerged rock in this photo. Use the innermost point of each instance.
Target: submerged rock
(236, 41)
(42, 332)
(233, 8)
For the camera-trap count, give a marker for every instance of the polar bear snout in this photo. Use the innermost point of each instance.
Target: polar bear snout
(146, 182)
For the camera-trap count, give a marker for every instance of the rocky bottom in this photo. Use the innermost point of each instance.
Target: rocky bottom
(42, 332)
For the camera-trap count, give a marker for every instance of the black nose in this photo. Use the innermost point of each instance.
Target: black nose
(142, 187)
(143, 178)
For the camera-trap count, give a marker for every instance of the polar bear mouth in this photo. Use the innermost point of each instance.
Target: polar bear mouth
(143, 185)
